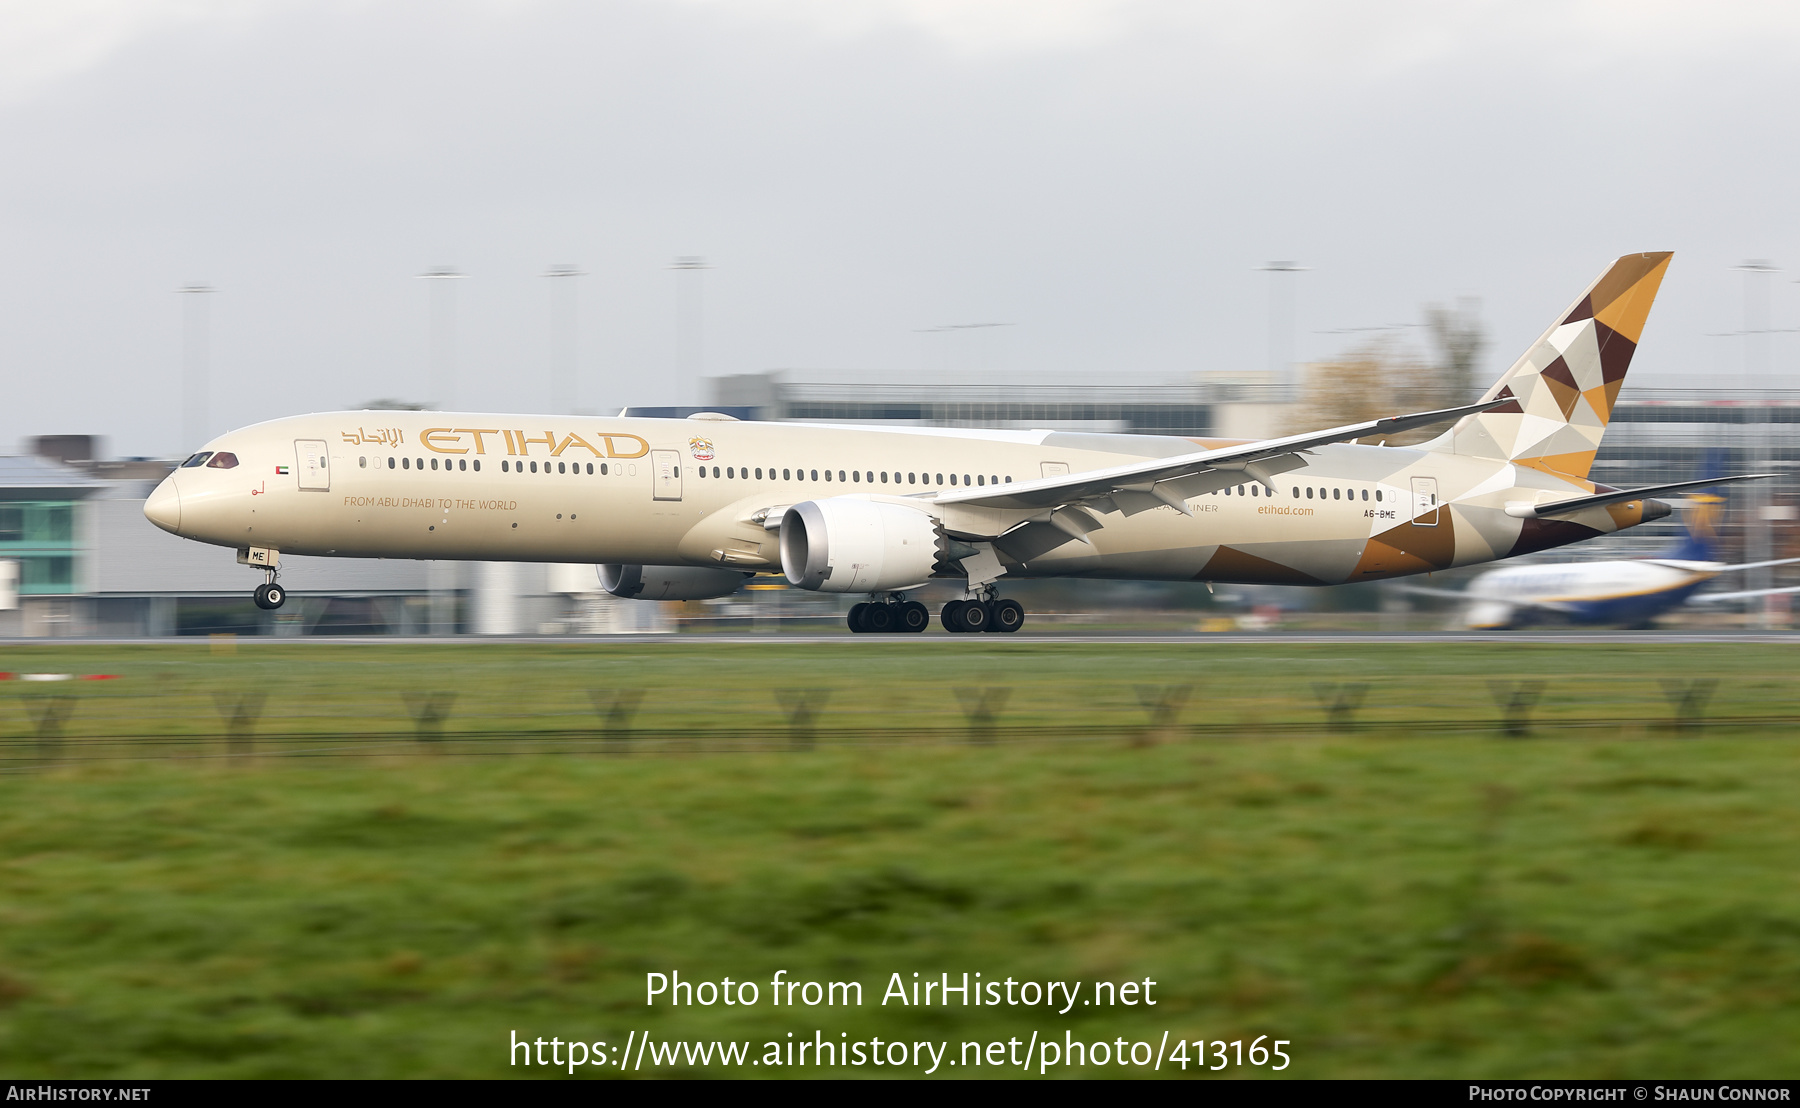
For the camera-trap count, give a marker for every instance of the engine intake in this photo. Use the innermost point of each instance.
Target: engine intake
(845, 544)
(670, 582)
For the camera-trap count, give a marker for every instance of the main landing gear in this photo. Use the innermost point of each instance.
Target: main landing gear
(965, 616)
(889, 617)
(970, 616)
(269, 595)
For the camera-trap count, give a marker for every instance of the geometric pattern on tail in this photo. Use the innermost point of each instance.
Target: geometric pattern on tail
(1563, 389)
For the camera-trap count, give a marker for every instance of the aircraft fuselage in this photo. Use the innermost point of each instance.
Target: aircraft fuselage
(703, 493)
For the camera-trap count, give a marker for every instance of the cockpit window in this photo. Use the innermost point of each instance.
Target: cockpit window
(223, 460)
(197, 460)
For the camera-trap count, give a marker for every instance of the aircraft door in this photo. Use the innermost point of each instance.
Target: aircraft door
(666, 466)
(1425, 502)
(314, 462)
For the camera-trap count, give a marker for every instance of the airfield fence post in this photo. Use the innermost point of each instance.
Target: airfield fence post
(1516, 699)
(1483, 921)
(802, 707)
(616, 710)
(980, 706)
(49, 713)
(429, 710)
(1340, 702)
(1689, 700)
(1164, 704)
(240, 715)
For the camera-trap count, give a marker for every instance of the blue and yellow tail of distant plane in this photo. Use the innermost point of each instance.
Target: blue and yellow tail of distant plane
(1701, 520)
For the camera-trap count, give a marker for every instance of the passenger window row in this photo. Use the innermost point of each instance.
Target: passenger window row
(1346, 494)
(450, 464)
(744, 473)
(561, 467)
(856, 476)
(728, 472)
(464, 465)
(1308, 492)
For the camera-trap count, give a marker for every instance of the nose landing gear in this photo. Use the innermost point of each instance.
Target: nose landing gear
(889, 616)
(269, 595)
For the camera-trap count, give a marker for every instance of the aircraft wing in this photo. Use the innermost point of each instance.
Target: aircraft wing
(1725, 569)
(1259, 461)
(1421, 590)
(1454, 594)
(1581, 503)
(1715, 597)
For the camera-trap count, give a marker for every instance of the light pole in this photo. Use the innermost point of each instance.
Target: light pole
(440, 577)
(562, 337)
(441, 338)
(689, 324)
(948, 329)
(196, 389)
(1281, 326)
(1756, 367)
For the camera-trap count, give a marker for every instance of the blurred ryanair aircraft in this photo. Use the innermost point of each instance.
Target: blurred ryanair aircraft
(1625, 592)
(674, 509)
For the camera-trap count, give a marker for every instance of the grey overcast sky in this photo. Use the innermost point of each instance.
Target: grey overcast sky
(1102, 174)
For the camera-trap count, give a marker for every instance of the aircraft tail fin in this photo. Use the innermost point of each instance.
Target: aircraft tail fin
(1701, 519)
(1564, 387)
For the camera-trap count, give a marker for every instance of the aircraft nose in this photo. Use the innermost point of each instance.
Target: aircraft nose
(164, 506)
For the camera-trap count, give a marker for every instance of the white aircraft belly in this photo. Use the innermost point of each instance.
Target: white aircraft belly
(1578, 583)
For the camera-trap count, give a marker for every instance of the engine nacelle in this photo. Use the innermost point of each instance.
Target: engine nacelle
(843, 544)
(671, 582)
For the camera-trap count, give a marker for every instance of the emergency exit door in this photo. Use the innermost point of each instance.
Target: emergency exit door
(1425, 502)
(314, 463)
(666, 466)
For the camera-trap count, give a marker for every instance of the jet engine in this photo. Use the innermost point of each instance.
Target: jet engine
(843, 544)
(670, 582)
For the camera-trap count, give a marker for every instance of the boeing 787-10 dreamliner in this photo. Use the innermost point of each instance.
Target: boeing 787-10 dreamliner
(674, 509)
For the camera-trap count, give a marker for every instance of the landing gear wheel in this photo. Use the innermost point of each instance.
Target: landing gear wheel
(913, 617)
(975, 616)
(951, 616)
(274, 596)
(855, 618)
(260, 596)
(1009, 616)
(878, 619)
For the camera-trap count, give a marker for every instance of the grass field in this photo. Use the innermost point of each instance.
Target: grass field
(323, 860)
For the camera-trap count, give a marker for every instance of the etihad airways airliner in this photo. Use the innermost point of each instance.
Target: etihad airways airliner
(687, 509)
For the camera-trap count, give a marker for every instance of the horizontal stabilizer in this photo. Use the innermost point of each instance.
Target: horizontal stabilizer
(1600, 500)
